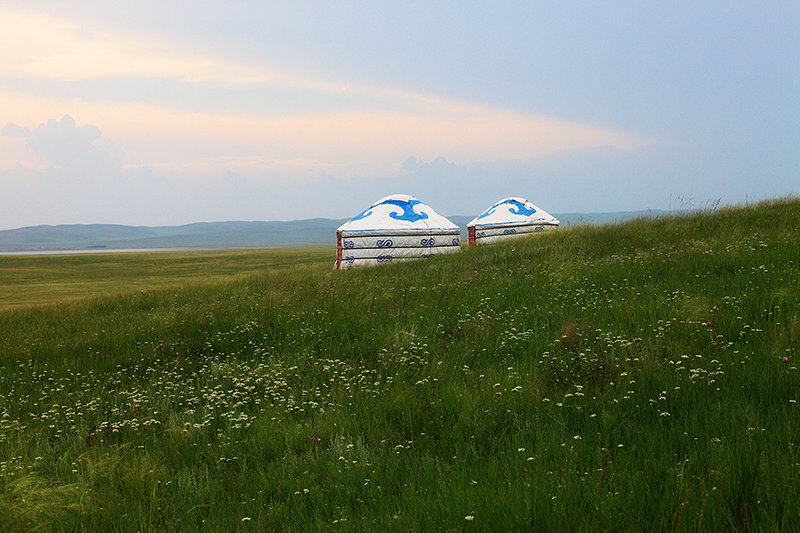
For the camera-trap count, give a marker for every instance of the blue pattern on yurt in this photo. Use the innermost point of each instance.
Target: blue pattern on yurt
(521, 209)
(407, 214)
(517, 209)
(364, 214)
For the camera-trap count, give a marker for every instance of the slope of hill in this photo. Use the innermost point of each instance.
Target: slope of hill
(198, 235)
(630, 378)
(210, 235)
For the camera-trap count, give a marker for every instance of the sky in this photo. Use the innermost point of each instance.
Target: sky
(166, 113)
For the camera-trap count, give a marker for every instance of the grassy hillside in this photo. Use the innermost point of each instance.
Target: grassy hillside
(634, 377)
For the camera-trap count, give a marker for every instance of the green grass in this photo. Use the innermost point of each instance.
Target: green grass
(43, 279)
(621, 378)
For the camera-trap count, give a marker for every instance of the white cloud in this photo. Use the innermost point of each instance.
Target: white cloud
(70, 148)
(356, 142)
(365, 141)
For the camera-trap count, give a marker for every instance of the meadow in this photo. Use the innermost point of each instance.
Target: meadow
(27, 280)
(639, 376)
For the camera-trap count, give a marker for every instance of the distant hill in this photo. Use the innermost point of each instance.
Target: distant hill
(209, 235)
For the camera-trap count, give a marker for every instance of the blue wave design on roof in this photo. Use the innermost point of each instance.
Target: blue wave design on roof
(518, 208)
(407, 213)
(364, 214)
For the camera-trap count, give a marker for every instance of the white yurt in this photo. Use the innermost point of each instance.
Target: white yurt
(508, 218)
(395, 228)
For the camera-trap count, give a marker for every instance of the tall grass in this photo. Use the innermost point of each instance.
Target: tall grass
(641, 376)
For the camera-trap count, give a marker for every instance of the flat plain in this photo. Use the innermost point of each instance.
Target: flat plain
(27, 280)
(628, 377)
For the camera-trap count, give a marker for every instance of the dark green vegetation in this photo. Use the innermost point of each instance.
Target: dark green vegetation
(634, 377)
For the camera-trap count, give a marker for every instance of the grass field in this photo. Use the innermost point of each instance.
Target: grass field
(623, 378)
(27, 280)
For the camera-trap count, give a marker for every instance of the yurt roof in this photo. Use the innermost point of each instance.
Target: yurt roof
(513, 211)
(398, 212)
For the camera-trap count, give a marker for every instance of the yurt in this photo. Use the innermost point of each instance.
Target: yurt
(508, 218)
(395, 228)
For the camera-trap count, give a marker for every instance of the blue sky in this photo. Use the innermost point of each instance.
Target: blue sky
(150, 114)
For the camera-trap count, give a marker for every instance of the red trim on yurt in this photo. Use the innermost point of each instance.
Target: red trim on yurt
(471, 234)
(338, 250)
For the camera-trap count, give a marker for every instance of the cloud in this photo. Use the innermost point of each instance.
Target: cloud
(15, 131)
(342, 143)
(437, 167)
(290, 137)
(70, 148)
(41, 46)
(338, 127)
